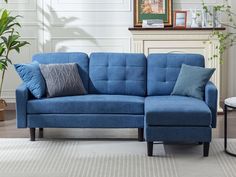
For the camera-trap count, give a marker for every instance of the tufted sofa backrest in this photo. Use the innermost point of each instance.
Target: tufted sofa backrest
(117, 73)
(163, 71)
(80, 58)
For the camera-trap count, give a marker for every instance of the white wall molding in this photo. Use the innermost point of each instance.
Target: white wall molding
(15, 2)
(89, 6)
(20, 5)
(88, 45)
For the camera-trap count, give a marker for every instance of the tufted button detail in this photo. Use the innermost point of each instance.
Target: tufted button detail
(116, 72)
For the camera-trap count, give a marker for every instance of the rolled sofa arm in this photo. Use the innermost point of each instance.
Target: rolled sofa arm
(211, 95)
(22, 95)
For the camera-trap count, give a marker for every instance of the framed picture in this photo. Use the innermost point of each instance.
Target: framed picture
(153, 9)
(180, 19)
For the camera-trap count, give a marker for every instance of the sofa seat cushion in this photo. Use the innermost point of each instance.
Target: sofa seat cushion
(176, 111)
(88, 104)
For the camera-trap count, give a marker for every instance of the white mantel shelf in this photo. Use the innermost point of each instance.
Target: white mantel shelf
(176, 40)
(174, 29)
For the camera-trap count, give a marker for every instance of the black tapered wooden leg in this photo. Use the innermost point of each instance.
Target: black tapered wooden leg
(206, 147)
(32, 134)
(40, 132)
(140, 134)
(225, 128)
(150, 148)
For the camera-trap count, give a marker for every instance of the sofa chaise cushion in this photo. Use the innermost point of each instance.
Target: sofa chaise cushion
(87, 104)
(176, 111)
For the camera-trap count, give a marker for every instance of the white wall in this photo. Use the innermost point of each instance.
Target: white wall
(75, 25)
(230, 65)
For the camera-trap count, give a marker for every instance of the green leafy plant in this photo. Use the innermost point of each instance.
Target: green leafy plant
(9, 40)
(227, 38)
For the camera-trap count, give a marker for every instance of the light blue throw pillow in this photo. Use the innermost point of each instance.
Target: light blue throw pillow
(192, 81)
(32, 77)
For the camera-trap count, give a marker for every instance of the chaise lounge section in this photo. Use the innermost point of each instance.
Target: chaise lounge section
(170, 118)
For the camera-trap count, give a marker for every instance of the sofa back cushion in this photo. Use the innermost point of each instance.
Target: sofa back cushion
(58, 58)
(163, 71)
(117, 73)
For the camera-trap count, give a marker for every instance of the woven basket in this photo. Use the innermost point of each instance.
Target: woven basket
(3, 105)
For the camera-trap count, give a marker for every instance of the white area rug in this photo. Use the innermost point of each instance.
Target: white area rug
(75, 158)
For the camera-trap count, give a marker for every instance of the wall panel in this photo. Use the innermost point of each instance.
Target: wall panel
(91, 5)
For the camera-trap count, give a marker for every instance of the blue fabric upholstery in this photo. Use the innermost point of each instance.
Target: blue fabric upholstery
(176, 111)
(85, 121)
(163, 70)
(22, 95)
(211, 96)
(117, 74)
(178, 134)
(80, 58)
(118, 97)
(87, 104)
(32, 77)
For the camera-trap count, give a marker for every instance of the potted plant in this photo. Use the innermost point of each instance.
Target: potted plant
(9, 42)
(226, 38)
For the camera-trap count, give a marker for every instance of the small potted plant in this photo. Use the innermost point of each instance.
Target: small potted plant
(9, 42)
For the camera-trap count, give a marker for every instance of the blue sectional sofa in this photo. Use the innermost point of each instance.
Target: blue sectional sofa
(124, 91)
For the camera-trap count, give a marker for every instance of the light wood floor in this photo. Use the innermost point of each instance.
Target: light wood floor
(8, 130)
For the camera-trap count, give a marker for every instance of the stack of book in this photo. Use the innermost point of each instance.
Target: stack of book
(153, 23)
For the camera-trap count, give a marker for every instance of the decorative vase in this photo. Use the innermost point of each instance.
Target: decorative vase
(194, 23)
(217, 19)
(207, 19)
(3, 105)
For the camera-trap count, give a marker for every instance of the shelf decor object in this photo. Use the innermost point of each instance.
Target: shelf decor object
(196, 16)
(180, 19)
(208, 18)
(153, 9)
